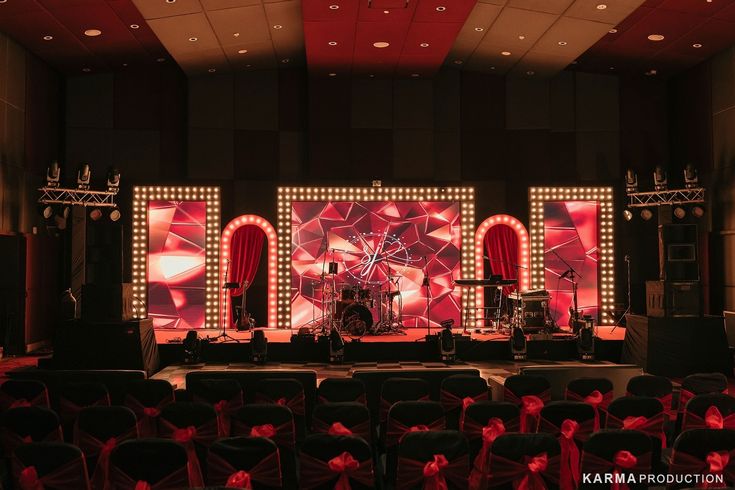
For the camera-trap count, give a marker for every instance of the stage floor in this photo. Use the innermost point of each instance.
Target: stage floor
(412, 335)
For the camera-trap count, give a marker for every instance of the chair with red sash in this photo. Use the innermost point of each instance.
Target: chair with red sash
(97, 431)
(194, 425)
(701, 384)
(433, 460)
(708, 452)
(524, 462)
(244, 462)
(400, 389)
(530, 394)
(23, 392)
(711, 411)
(597, 392)
(616, 452)
(276, 423)
(28, 424)
(52, 465)
(146, 398)
(224, 394)
(643, 414)
(571, 423)
(75, 396)
(659, 387)
(334, 390)
(344, 418)
(149, 464)
(338, 462)
(288, 392)
(457, 393)
(483, 423)
(405, 417)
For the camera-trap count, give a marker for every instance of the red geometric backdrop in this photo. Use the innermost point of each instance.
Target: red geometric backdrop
(372, 239)
(571, 236)
(176, 263)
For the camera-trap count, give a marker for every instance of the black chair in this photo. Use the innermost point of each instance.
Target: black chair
(644, 414)
(428, 457)
(530, 393)
(710, 411)
(244, 459)
(405, 417)
(345, 418)
(335, 390)
(597, 392)
(160, 463)
(401, 389)
(483, 423)
(288, 392)
(19, 392)
(146, 398)
(28, 424)
(275, 422)
(616, 451)
(647, 385)
(224, 394)
(52, 465)
(518, 456)
(97, 431)
(75, 396)
(325, 459)
(457, 393)
(704, 451)
(701, 384)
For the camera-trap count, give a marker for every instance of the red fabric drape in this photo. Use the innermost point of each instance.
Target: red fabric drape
(501, 245)
(246, 247)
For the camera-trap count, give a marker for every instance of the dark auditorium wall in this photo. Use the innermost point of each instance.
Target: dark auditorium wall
(30, 137)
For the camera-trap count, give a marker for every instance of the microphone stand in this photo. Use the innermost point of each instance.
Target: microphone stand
(427, 284)
(571, 273)
(627, 310)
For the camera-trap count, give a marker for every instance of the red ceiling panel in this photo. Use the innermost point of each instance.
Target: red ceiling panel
(329, 10)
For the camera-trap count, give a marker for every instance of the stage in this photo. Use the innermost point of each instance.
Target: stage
(398, 348)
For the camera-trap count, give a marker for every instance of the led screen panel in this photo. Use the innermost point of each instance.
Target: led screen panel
(177, 263)
(370, 241)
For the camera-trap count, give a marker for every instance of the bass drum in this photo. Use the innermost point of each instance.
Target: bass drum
(356, 320)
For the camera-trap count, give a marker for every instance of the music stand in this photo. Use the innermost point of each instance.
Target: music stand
(228, 286)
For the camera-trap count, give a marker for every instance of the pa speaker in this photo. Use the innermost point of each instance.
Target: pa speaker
(678, 257)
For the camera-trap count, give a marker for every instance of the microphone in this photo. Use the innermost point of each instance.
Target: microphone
(627, 258)
(565, 275)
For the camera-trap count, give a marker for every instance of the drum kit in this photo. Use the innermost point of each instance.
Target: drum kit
(356, 310)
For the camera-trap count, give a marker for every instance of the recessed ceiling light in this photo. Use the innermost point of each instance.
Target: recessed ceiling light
(506, 53)
(424, 45)
(492, 67)
(415, 75)
(458, 62)
(575, 62)
(656, 37)
(170, 1)
(601, 6)
(285, 60)
(48, 38)
(193, 39)
(612, 31)
(125, 64)
(332, 74)
(212, 70)
(278, 26)
(332, 43)
(92, 32)
(86, 70)
(248, 66)
(612, 67)
(161, 60)
(696, 45)
(521, 37)
(386, 11)
(441, 9)
(371, 75)
(650, 73)
(479, 29)
(562, 43)
(134, 26)
(530, 73)
(381, 44)
(333, 7)
(235, 34)
(242, 51)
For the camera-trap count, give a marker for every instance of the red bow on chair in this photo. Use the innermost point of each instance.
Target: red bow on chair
(569, 471)
(338, 429)
(433, 473)
(142, 485)
(265, 430)
(717, 462)
(531, 406)
(28, 479)
(713, 418)
(480, 467)
(344, 464)
(240, 479)
(533, 480)
(623, 460)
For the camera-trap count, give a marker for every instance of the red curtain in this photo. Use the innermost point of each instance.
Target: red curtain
(245, 249)
(501, 245)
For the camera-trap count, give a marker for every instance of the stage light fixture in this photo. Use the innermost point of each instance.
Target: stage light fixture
(518, 343)
(95, 214)
(447, 347)
(46, 210)
(84, 175)
(697, 211)
(628, 215)
(115, 215)
(691, 177)
(660, 179)
(586, 340)
(646, 214)
(113, 179)
(631, 181)
(53, 175)
(679, 212)
(336, 346)
(258, 346)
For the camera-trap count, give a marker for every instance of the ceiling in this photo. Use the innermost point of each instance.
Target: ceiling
(404, 38)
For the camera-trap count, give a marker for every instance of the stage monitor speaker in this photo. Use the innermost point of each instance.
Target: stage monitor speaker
(107, 302)
(673, 298)
(678, 258)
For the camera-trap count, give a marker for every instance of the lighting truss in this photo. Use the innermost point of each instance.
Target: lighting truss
(663, 198)
(77, 197)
